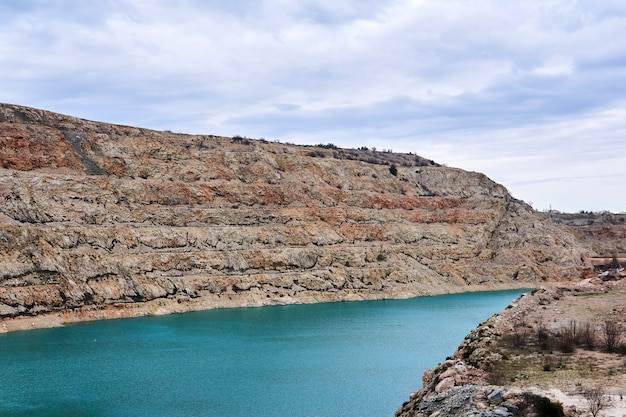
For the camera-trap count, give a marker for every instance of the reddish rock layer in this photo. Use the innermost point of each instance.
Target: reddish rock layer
(100, 220)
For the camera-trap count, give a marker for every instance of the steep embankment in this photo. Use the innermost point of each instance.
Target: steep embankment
(557, 351)
(100, 220)
(604, 233)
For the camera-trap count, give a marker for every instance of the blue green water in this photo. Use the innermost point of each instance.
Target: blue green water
(338, 359)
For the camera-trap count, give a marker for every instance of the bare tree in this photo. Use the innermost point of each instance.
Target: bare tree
(588, 335)
(612, 335)
(544, 336)
(520, 332)
(573, 330)
(568, 337)
(596, 398)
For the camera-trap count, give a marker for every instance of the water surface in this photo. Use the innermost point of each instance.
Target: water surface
(336, 359)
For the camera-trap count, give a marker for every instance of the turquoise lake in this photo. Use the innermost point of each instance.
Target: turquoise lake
(336, 359)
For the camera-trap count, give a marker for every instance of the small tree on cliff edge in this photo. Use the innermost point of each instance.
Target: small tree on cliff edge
(393, 170)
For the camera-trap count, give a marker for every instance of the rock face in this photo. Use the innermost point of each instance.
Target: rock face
(604, 233)
(100, 220)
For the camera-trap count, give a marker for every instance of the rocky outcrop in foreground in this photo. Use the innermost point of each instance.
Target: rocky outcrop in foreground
(550, 353)
(101, 221)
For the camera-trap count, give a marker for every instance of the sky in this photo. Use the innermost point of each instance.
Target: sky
(531, 93)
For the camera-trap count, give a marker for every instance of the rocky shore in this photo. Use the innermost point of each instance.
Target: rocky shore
(542, 356)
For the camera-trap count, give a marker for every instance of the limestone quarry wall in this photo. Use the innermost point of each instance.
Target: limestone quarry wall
(100, 220)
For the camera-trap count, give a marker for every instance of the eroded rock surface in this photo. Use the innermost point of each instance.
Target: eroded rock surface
(100, 220)
(537, 357)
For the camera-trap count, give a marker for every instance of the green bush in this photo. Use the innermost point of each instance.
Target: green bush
(393, 170)
(327, 146)
(546, 408)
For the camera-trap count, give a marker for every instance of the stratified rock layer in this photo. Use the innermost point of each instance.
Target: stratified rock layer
(100, 220)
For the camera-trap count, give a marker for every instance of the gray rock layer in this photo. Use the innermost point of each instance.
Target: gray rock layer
(100, 220)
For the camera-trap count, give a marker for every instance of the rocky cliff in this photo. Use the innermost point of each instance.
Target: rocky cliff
(101, 220)
(604, 233)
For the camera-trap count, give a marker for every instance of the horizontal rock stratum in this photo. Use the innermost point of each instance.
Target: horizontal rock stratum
(101, 221)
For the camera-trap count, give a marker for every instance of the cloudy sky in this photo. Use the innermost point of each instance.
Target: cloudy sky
(531, 93)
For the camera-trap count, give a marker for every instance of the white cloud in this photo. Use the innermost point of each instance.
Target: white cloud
(570, 165)
(554, 66)
(510, 85)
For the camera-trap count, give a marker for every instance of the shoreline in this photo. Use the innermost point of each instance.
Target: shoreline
(165, 306)
(518, 356)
